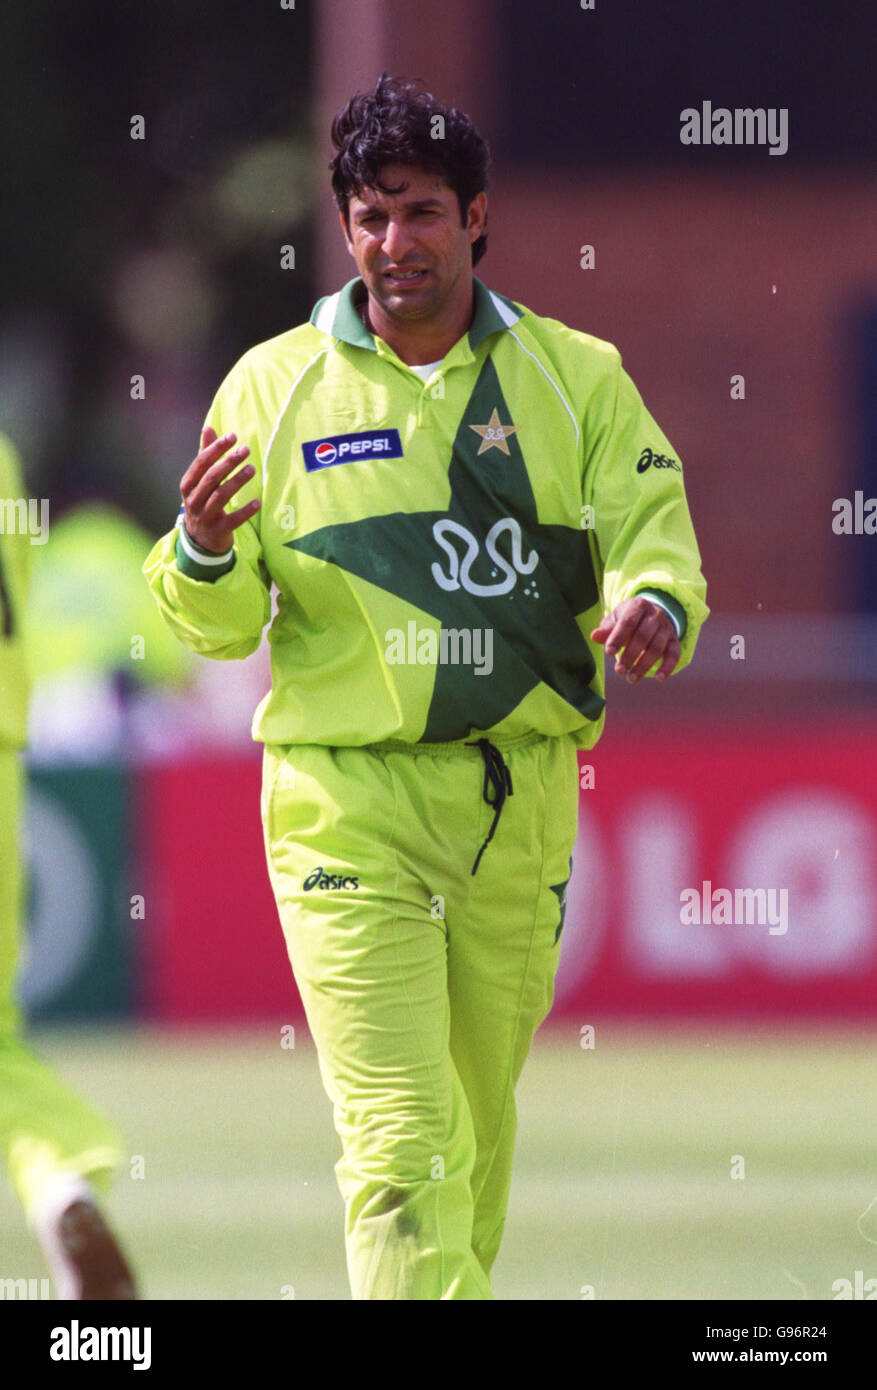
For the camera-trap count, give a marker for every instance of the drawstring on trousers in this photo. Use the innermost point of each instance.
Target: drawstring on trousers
(496, 778)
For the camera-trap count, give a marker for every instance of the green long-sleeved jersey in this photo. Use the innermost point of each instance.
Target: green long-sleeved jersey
(15, 542)
(441, 549)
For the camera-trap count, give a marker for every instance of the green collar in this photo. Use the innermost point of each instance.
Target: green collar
(336, 314)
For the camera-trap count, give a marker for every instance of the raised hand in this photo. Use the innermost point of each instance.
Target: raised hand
(205, 493)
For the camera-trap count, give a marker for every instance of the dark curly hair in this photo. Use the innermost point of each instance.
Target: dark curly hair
(395, 125)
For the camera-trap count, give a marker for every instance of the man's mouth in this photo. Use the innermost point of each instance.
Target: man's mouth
(405, 277)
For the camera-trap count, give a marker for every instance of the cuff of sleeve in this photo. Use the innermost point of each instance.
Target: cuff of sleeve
(675, 612)
(197, 563)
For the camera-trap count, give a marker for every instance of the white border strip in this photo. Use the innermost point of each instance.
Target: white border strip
(196, 555)
(508, 316)
(553, 383)
(326, 316)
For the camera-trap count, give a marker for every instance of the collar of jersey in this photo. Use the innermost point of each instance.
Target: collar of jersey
(336, 315)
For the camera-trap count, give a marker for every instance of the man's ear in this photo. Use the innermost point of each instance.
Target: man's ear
(346, 234)
(476, 218)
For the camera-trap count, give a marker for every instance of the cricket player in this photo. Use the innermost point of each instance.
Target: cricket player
(59, 1153)
(458, 504)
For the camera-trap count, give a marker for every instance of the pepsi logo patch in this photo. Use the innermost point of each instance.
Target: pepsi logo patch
(344, 448)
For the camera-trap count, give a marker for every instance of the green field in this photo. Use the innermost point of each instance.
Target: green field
(623, 1173)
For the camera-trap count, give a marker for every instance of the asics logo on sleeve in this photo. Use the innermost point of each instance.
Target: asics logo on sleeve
(341, 448)
(648, 459)
(458, 575)
(318, 878)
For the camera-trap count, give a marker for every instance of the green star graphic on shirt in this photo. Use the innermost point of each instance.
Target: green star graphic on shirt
(535, 635)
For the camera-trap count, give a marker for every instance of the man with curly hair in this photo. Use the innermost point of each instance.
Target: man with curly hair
(459, 503)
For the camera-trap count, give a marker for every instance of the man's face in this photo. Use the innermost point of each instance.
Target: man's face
(410, 248)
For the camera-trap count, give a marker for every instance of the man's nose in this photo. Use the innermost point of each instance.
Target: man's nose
(396, 240)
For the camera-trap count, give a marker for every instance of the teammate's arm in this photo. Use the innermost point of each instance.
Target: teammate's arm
(15, 568)
(7, 622)
(14, 551)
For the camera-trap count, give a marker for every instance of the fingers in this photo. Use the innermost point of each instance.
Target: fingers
(206, 487)
(623, 623)
(211, 449)
(663, 647)
(220, 495)
(602, 632)
(639, 634)
(635, 639)
(235, 519)
(208, 470)
(671, 657)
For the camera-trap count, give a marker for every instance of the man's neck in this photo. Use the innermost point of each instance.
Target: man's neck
(418, 344)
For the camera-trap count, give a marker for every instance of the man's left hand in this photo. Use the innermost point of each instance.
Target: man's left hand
(638, 633)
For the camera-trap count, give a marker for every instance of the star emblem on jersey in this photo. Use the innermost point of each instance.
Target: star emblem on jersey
(486, 562)
(493, 434)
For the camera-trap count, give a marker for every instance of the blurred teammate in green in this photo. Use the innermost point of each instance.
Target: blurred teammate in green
(59, 1152)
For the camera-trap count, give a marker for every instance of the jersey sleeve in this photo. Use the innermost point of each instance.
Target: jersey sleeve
(642, 535)
(219, 610)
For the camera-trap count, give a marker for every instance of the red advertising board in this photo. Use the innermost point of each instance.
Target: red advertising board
(721, 873)
(213, 949)
(725, 873)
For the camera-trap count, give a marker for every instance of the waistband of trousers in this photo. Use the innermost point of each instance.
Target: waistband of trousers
(453, 748)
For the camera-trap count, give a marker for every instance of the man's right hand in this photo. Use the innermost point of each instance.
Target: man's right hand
(205, 494)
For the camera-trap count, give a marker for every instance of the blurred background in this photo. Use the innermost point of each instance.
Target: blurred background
(167, 206)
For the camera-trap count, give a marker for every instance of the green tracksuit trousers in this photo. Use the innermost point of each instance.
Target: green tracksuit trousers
(423, 982)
